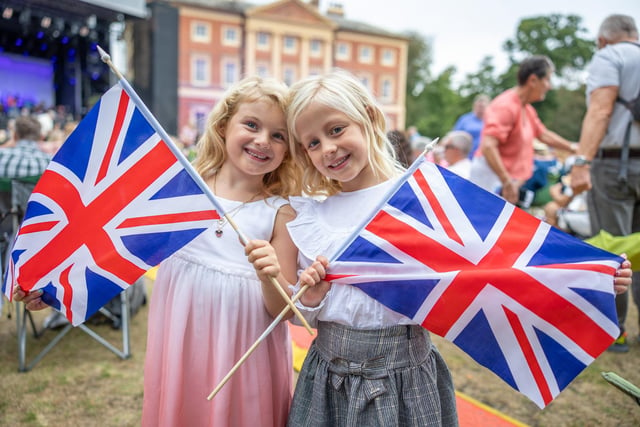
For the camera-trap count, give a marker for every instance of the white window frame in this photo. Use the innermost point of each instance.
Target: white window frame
(227, 80)
(387, 84)
(289, 74)
(263, 69)
(343, 51)
(205, 37)
(200, 64)
(315, 48)
(365, 59)
(266, 45)
(290, 50)
(366, 80)
(388, 57)
(230, 41)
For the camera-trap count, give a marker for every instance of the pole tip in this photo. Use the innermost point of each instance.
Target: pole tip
(104, 56)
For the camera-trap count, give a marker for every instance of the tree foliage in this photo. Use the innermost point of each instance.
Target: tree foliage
(419, 63)
(434, 103)
(561, 38)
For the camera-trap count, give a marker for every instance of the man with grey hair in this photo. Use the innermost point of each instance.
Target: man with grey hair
(457, 145)
(608, 160)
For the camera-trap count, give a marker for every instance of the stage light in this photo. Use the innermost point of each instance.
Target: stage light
(58, 24)
(84, 31)
(7, 13)
(45, 22)
(40, 35)
(25, 17)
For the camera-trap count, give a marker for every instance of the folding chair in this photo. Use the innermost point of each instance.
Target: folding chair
(20, 192)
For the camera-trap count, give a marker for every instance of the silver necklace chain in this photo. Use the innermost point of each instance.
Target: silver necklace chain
(223, 221)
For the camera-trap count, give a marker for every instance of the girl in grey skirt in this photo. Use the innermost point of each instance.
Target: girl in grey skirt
(369, 366)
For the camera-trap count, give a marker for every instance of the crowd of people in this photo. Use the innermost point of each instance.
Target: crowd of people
(596, 183)
(266, 145)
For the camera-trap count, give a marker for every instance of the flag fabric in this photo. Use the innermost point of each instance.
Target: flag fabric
(529, 302)
(116, 200)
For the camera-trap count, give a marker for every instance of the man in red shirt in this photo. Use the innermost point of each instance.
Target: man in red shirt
(505, 158)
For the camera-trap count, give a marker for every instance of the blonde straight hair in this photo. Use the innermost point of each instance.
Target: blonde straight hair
(284, 181)
(340, 91)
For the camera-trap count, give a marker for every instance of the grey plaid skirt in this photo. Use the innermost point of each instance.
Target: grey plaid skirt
(382, 377)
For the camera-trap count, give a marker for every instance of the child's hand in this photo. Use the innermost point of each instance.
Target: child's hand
(32, 300)
(263, 257)
(312, 277)
(622, 280)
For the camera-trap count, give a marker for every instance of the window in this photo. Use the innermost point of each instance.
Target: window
(366, 80)
(262, 40)
(200, 70)
(343, 51)
(365, 54)
(289, 75)
(316, 48)
(200, 32)
(386, 89)
(230, 36)
(388, 57)
(262, 70)
(229, 72)
(200, 120)
(290, 45)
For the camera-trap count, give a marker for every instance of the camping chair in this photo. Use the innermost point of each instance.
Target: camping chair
(20, 190)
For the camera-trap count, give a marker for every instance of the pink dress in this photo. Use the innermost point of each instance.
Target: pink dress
(206, 310)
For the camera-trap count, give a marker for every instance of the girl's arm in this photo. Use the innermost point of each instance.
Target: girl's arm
(277, 258)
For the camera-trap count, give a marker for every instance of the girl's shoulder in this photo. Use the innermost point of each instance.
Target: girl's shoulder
(307, 230)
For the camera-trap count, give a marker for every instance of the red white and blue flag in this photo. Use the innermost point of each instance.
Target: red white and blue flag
(116, 200)
(532, 304)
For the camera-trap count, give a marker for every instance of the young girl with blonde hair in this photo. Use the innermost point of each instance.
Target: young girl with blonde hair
(208, 306)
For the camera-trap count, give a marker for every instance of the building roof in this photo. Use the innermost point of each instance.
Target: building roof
(241, 8)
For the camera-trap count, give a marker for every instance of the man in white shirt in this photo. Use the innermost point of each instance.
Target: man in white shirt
(457, 146)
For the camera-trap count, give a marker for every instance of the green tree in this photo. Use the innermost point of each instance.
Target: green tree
(439, 105)
(560, 37)
(563, 39)
(419, 62)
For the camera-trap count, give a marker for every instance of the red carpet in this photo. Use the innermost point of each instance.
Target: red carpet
(471, 413)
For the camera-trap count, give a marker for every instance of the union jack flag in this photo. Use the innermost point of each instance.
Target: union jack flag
(116, 199)
(529, 302)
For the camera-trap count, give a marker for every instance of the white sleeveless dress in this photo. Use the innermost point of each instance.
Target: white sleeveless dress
(206, 310)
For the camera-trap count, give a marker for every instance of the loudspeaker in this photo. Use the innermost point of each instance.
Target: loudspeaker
(156, 63)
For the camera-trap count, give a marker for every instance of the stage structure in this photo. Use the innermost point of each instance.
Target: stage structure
(48, 54)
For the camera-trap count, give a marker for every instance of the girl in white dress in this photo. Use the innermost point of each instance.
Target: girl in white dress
(208, 305)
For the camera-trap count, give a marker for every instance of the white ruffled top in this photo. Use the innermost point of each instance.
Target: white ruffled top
(321, 228)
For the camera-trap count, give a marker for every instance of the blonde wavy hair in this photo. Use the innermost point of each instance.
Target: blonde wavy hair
(284, 181)
(340, 91)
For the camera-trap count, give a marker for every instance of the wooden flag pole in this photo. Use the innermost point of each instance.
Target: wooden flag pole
(106, 58)
(273, 280)
(271, 327)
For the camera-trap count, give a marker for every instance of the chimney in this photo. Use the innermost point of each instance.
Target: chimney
(335, 9)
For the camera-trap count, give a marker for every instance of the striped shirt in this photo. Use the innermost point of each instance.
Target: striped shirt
(25, 159)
